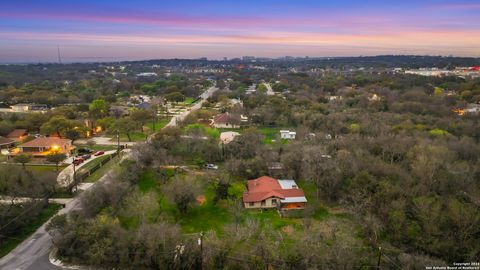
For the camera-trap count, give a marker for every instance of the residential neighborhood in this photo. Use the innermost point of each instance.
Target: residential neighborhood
(314, 163)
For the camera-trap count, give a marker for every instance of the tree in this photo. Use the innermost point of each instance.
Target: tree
(98, 108)
(72, 134)
(319, 167)
(56, 158)
(182, 191)
(125, 126)
(23, 158)
(221, 190)
(175, 97)
(57, 125)
(141, 116)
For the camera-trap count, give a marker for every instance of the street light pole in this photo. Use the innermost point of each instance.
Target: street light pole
(74, 177)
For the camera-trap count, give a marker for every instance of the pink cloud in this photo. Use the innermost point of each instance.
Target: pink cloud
(460, 6)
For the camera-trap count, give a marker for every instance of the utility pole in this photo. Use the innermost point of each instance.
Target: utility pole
(379, 257)
(200, 243)
(58, 54)
(74, 177)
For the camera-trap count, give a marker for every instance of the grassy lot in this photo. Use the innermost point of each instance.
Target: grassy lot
(159, 124)
(189, 100)
(135, 136)
(44, 168)
(147, 202)
(210, 216)
(96, 175)
(91, 164)
(26, 231)
(208, 131)
(270, 134)
(40, 170)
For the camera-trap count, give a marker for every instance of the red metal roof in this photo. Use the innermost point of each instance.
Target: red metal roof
(226, 118)
(266, 187)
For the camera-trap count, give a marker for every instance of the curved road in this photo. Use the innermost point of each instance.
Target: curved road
(33, 253)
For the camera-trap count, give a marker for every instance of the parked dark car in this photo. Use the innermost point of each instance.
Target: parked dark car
(87, 156)
(83, 151)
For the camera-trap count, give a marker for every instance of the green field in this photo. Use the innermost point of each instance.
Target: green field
(92, 163)
(96, 175)
(215, 216)
(27, 230)
(97, 147)
(159, 124)
(189, 100)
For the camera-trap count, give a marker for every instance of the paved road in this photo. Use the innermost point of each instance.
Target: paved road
(208, 93)
(33, 253)
(270, 91)
(65, 177)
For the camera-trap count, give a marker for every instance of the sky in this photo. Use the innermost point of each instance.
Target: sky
(107, 30)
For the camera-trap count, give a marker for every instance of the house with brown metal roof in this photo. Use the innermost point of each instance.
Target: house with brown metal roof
(226, 120)
(18, 134)
(41, 147)
(6, 142)
(267, 192)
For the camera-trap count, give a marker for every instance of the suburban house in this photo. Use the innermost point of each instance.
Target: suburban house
(23, 108)
(226, 120)
(41, 147)
(288, 135)
(18, 134)
(6, 143)
(267, 192)
(472, 108)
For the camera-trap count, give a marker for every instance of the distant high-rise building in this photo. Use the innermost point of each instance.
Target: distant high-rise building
(248, 58)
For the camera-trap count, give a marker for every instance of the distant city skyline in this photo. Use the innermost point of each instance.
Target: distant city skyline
(30, 31)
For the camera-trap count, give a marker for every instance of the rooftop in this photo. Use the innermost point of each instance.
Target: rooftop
(265, 187)
(46, 142)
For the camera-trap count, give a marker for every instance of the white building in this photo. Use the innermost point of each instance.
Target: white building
(472, 108)
(288, 135)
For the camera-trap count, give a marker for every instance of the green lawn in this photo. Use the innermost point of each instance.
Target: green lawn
(135, 137)
(159, 124)
(26, 231)
(210, 216)
(96, 175)
(91, 164)
(147, 181)
(40, 170)
(189, 100)
(270, 134)
(45, 168)
(97, 147)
